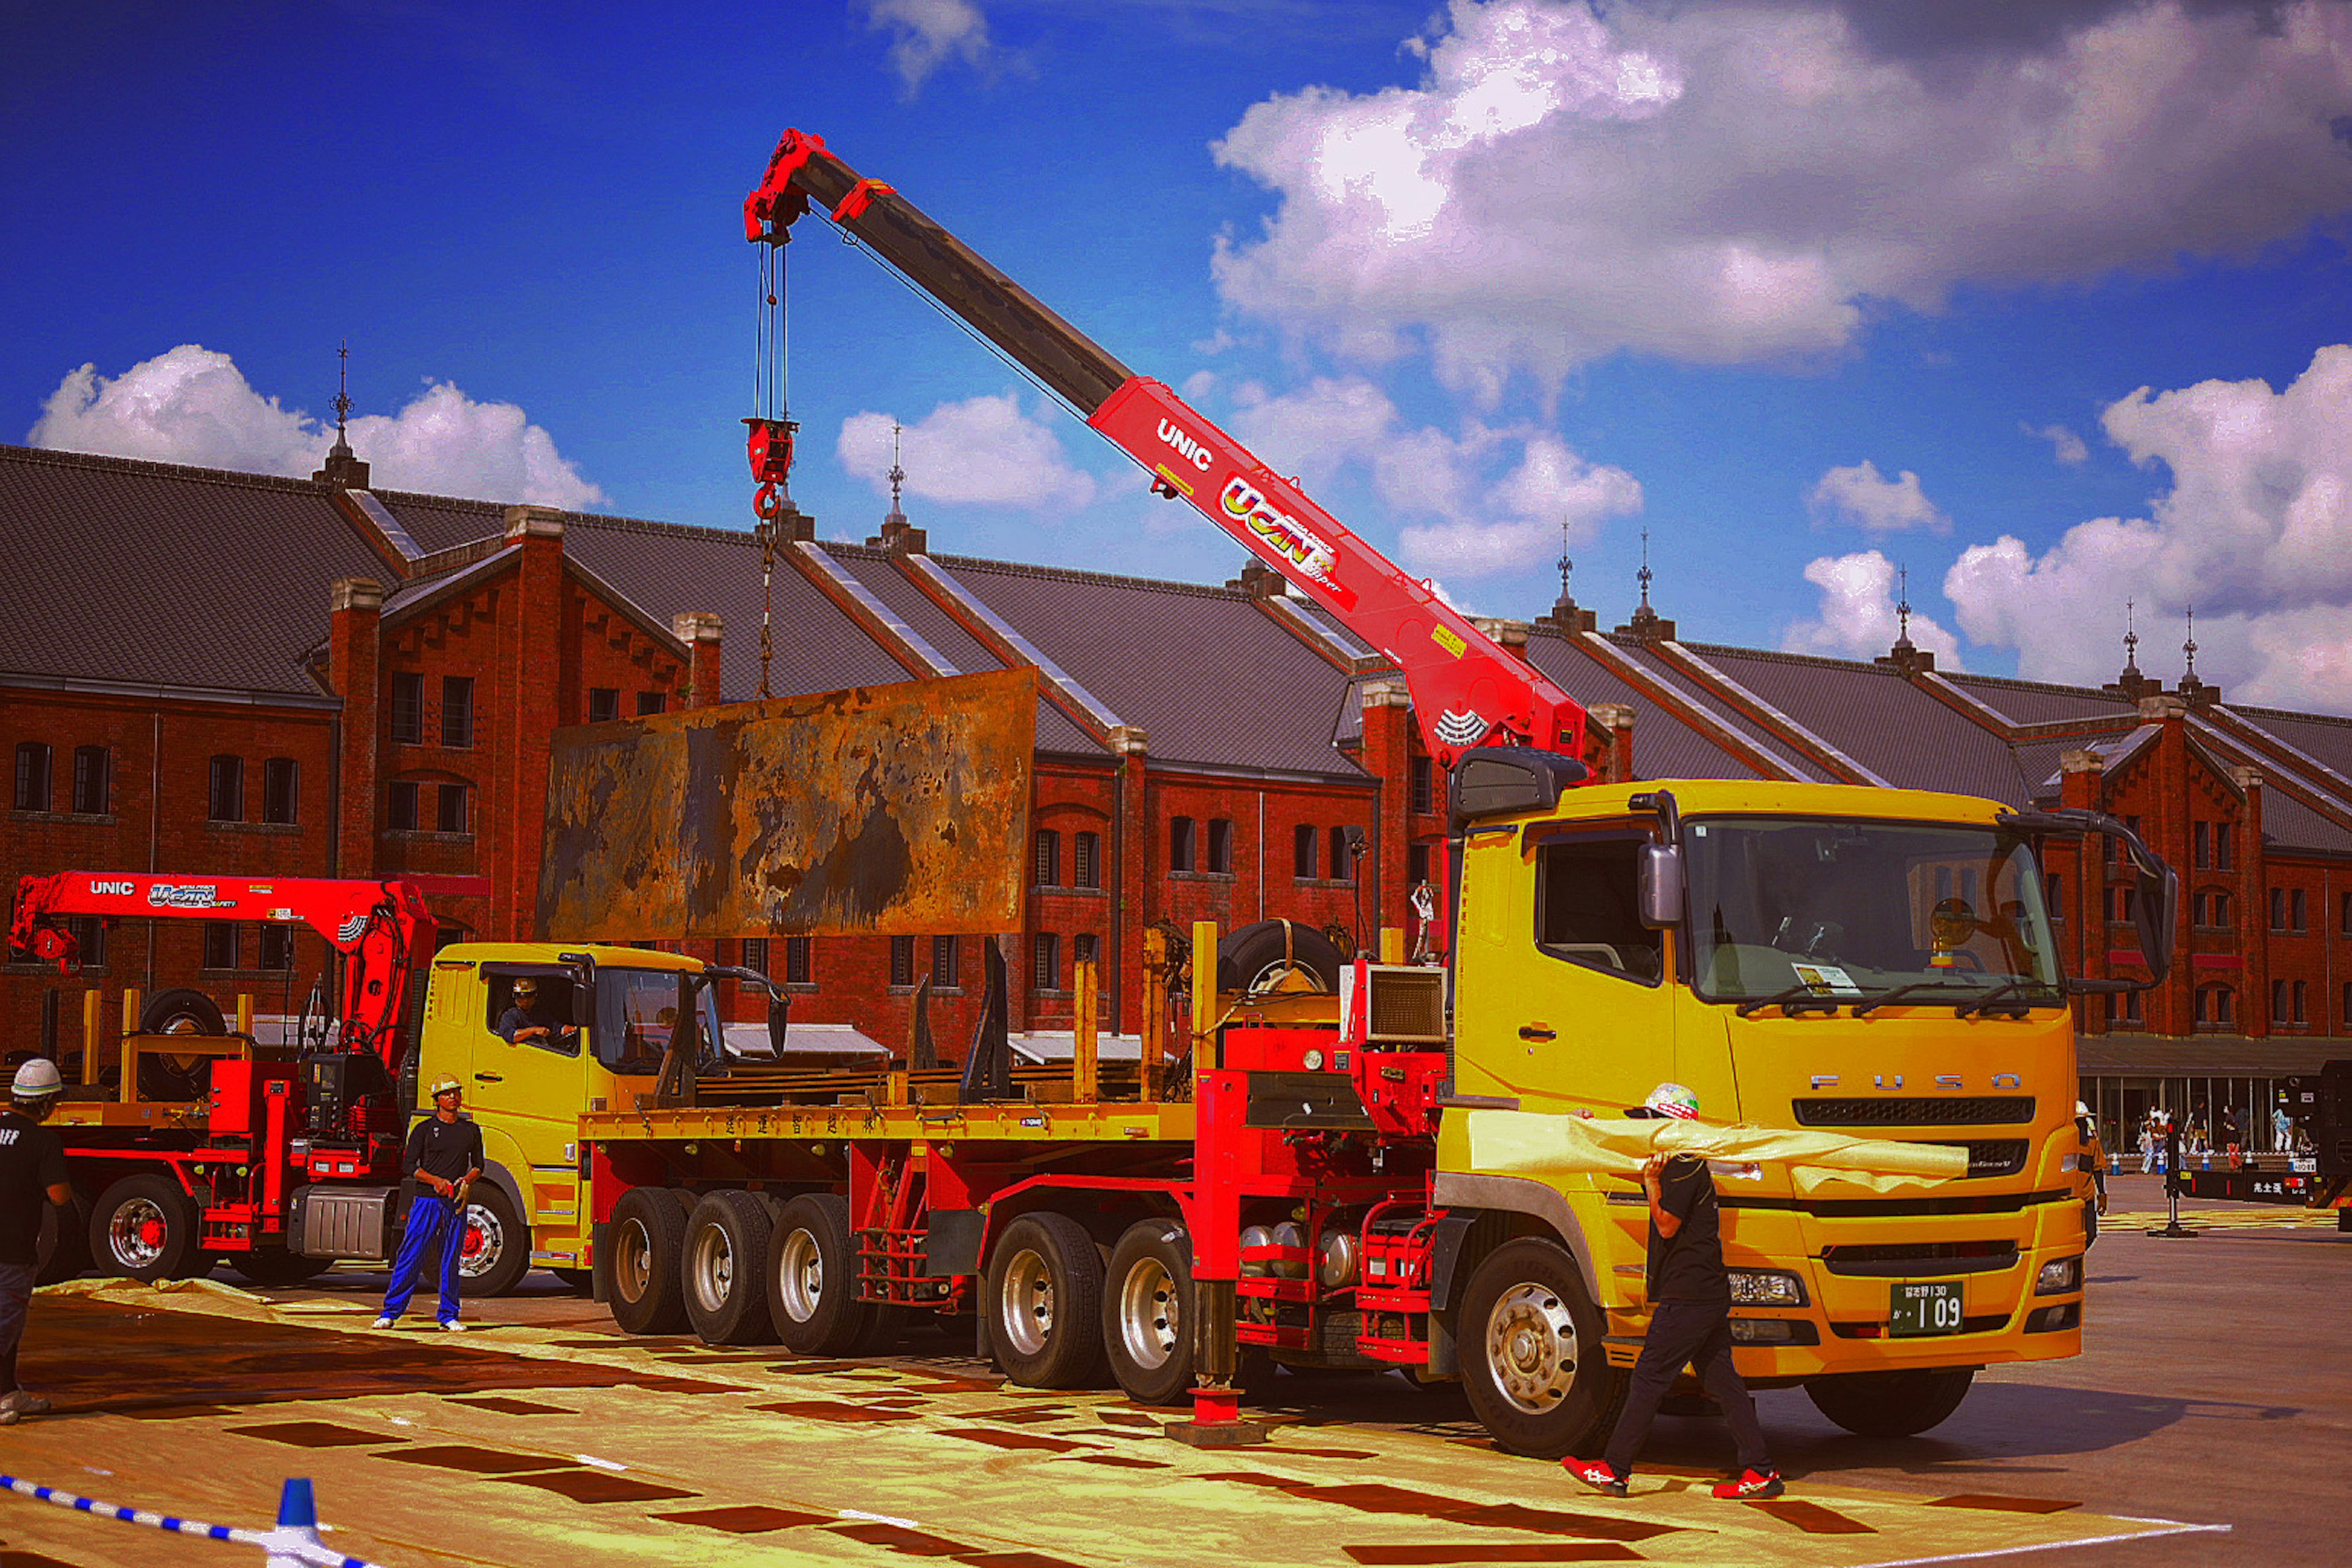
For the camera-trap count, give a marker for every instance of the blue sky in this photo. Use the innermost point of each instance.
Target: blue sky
(2065, 277)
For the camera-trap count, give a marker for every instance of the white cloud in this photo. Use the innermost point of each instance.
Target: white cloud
(2065, 446)
(1863, 496)
(984, 451)
(2255, 532)
(927, 34)
(1858, 617)
(1497, 499)
(193, 406)
(1738, 182)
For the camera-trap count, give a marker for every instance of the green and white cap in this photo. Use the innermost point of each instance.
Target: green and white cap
(1672, 1099)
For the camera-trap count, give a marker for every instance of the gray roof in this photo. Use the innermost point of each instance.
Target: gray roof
(1664, 746)
(122, 570)
(1881, 721)
(1653, 665)
(2032, 702)
(1211, 679)
(1056, 733)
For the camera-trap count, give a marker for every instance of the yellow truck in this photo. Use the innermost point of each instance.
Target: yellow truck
(1288, 1180)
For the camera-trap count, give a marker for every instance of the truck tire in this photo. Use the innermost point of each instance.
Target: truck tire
(726, 1270)
(1245, 956)
(811, 1277)
(178, 1011)
(1044, 1301)
(1890, 1403)
(278, 1269)
(1530, 1345)
(62, 1250)
(145, 1227)
(649, 1240)
(498, 1244)
(1147, 1312)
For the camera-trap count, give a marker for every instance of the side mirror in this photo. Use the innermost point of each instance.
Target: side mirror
(1662, 886)
(780, 1016)
(2156, 906)
(581, 968)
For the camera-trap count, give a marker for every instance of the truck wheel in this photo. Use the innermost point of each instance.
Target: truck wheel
(726, 1265)
(145, 1227)
(811, 1277)
(1043, 1299)
(1532, 1362)
(275, 1270)
(498, 1244)
(1148, 1312)
(62, 1250)
(648, 1239)
(1890, 1403)
(1254, 954)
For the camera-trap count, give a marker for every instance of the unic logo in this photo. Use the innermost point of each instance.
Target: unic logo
(113, 890)
(1195, 452)
(1282, 533)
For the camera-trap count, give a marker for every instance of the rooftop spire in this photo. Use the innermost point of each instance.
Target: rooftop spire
(897, 477)
(897, 534)
(1564, 612)
(342, 469)
(2131, 637)
(2189, 647)
(1647, 623)
(1902, 610)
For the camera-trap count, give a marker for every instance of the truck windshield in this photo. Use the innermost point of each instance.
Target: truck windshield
(1855, 908)
(637, 1011)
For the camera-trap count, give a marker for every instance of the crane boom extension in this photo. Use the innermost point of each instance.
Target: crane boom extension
(375, 924)
(1467, 690)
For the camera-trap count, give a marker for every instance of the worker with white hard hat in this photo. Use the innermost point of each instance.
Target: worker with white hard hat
(32, 1169)
(1690, 1319)
(444, 1157)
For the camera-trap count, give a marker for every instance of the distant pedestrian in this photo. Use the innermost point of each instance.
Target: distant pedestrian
(2229, 1130)
(2091, 1160)
(2282, 1129)
(2150, 1144)
(1690, 1321)
(32, 1171)
(444, 1157)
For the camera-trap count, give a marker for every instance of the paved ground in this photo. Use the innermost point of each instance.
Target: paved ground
(2214, 1390)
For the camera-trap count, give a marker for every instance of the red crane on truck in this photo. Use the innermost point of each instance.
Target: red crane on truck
(1467, 690)
(229, 1162)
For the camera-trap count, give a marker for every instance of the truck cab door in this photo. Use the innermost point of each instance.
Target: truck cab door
(1564, 999)
(530, 1090)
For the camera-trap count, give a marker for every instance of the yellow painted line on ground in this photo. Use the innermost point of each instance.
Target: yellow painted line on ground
(2252, 1217)
(870, 1464)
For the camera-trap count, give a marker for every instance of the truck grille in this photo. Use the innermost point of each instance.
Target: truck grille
(1905, 1259)
(1894, 1110)
(1992, 1156)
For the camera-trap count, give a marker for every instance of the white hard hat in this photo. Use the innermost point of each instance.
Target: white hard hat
(443, 1085)
(1672, 1099)
(2081, 1109)
(36, 1079)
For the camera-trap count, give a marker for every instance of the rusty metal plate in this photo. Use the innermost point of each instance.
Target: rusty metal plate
(899, 810)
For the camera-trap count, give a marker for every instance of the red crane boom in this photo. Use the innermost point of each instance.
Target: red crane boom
(1466, 690)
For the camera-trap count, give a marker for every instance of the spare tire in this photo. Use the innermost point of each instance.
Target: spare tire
(1255, 954)
(178, 1011)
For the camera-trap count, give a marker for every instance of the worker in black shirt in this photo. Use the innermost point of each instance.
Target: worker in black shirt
(445, 1155)
(1690, 1319)
(32, 1171)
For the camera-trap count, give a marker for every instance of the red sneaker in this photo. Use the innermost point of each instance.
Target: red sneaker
(1598, 1474)
(1752, 1485)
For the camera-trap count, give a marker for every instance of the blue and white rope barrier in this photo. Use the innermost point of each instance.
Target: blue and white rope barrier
(293, 1543)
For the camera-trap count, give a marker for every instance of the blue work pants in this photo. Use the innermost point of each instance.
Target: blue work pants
(430, 1215)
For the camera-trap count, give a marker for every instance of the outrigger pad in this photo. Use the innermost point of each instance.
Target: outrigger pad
(988, 1066)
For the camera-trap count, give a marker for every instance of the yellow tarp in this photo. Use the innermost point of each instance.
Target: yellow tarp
(1529, 1144)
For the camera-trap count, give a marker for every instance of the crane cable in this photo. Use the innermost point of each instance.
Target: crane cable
(768, 401)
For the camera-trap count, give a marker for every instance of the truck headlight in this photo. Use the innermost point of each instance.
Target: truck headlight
(2065, 1274)
(1766, 1288)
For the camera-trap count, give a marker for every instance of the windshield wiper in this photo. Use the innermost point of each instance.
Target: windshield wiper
(1982, 1003)
(1869, 1005)
(1798, 998)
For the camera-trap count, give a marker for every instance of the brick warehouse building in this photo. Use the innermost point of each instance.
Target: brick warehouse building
(228, 673)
